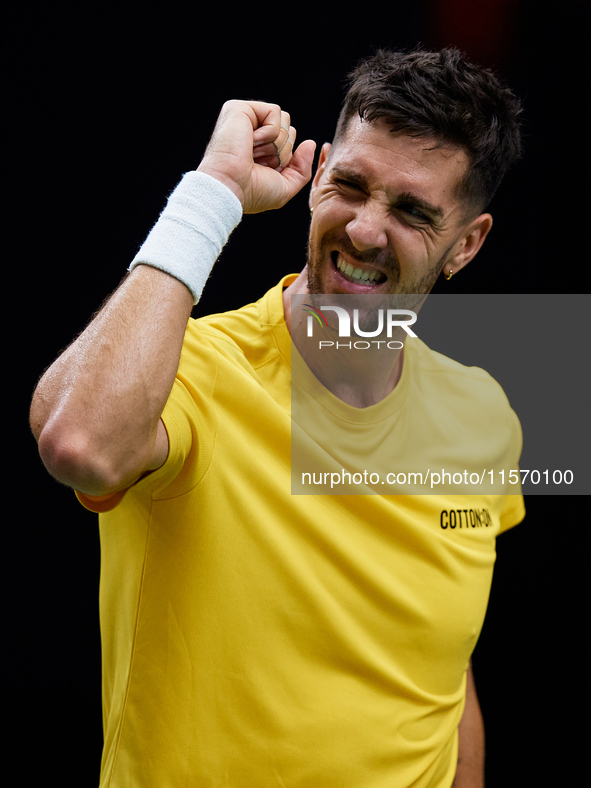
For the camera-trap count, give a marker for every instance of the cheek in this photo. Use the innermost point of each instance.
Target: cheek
(331, 211)
(327, 227)
(414, 248)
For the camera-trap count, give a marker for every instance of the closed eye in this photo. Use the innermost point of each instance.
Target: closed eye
(419, 209)
(350, 185)
(412, 211)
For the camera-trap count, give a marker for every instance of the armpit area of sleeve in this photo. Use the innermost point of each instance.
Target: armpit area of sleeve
(168, 470)
(513, 512)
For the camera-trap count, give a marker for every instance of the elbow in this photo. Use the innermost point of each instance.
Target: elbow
(72, 459)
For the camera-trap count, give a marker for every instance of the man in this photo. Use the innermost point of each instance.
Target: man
(250, 637)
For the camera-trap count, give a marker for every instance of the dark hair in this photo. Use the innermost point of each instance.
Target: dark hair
(441, 95)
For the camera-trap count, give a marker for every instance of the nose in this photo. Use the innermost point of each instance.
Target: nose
(367, 229)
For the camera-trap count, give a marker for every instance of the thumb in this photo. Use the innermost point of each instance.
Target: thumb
(299, 170)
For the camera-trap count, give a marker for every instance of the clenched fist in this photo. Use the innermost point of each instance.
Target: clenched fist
(252, 152)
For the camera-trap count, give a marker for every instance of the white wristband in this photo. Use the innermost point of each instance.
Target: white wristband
(192, 229)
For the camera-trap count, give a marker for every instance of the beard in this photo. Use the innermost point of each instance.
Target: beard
(383, 260)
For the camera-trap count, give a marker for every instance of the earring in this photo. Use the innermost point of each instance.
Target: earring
(449, 274)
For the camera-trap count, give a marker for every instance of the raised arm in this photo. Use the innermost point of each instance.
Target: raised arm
(96, 411)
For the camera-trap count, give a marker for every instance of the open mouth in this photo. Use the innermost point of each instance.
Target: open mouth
(357, 273)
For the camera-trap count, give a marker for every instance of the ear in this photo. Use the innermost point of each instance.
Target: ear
(470, 242)
(324, 153)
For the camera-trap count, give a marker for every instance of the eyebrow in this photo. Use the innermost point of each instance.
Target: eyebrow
(410, 198)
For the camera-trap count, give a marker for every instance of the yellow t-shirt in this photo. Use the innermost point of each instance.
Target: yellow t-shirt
(257, 639)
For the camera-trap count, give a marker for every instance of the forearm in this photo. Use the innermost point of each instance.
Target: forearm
(470, 770)
(96, 410)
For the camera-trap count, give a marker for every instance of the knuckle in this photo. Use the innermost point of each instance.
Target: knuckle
(272, 109)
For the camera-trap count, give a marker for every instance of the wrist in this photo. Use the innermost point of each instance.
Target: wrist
(220, 176)
(191, 231)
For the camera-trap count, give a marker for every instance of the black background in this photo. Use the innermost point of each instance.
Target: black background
(104, 111)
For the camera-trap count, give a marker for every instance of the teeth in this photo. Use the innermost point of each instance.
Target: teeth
(358, 274)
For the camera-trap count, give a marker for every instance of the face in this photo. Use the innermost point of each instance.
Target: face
(386, 218)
